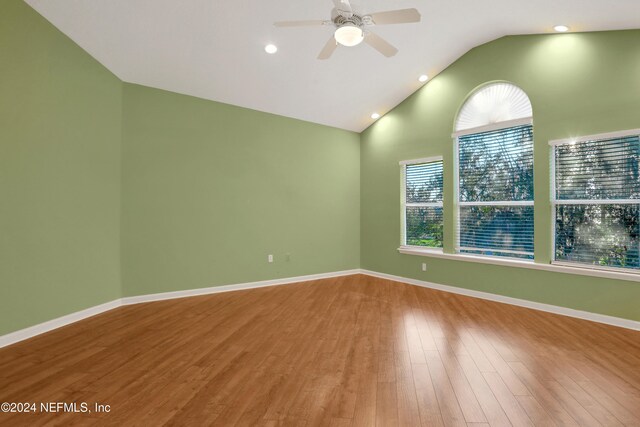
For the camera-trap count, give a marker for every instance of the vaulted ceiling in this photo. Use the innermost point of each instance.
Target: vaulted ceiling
(215, 49)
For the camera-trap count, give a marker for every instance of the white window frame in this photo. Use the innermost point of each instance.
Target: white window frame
(404, 204)
(457, 203)
(555, 202)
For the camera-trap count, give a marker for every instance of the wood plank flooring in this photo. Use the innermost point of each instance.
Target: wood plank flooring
(350, 351)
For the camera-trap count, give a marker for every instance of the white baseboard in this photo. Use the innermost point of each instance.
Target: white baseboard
(41, 328)
(236, 287)
(50, 325)
(579, 314)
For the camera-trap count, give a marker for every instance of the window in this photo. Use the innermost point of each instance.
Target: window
(596, 198)
(495, 173)
(422, 202)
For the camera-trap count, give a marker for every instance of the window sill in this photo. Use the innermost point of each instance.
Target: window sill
(422, 250)
(583, 271)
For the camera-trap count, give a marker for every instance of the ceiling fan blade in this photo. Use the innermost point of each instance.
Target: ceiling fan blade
(328, 48)
(401, 16)
(380, 44)
(313, 23)
(343, 5)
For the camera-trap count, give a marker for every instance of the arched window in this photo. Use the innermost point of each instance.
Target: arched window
(494, 180)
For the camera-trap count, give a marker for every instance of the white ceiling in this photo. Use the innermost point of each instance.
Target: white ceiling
(214, 49)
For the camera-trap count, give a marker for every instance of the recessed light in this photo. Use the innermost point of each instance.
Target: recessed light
(375, 116)
(423, 78)
(561, 28)
(271, 48)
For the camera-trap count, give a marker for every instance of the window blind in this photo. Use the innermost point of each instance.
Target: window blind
(597, 202)
(495, 192)
(423, 204)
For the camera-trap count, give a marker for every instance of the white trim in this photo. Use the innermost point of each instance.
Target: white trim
(600, 136)
(428, 249)
(510, 262)
(596, 202)
(236, 287)
(552, 194)
(50, 325)
(563, 311)
(576, 264)
(456, 192)
(403, 203)
(420, 161)
(501, 203)
(502, 251)
(494, 126)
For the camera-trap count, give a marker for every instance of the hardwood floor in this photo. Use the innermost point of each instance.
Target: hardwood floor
(350, 351)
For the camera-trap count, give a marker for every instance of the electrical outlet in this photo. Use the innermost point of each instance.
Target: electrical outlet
(424, 266)
(270, 258)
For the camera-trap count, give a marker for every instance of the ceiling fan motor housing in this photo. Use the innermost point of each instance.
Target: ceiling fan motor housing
(353, 20)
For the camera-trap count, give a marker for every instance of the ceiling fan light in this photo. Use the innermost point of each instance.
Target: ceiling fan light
(349, 35)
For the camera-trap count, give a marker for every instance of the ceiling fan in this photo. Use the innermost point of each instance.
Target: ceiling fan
(350, 27)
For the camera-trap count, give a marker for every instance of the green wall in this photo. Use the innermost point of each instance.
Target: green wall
(579, 84)
(201, 192)
(60, 135)
(209, 190)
